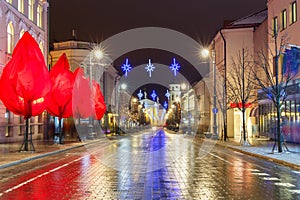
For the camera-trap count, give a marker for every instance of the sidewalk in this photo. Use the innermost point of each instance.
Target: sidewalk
(10, 155)
(262, 148)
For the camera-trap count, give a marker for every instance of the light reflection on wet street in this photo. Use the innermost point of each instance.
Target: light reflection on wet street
(154, 165)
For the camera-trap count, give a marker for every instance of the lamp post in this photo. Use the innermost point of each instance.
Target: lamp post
(121, 87)
(211, 54)
(96, 54)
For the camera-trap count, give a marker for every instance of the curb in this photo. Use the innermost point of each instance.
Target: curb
(275, 160)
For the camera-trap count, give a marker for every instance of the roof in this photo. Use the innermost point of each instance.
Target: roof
(251, 20)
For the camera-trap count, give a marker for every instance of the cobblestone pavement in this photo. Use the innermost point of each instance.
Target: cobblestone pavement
(152, 165)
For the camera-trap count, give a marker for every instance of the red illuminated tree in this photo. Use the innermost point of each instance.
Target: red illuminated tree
(25, 83)
(62, 79)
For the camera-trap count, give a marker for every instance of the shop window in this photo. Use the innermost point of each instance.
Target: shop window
(22, 125)
(8, 129)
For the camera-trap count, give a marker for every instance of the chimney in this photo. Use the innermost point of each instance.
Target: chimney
(74, 34)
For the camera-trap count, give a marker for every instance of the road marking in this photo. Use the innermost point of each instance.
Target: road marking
(253, 170)
(285, 184)
(41, 175)
(270, 178)
(295, 191)
(220, 158)
(261, 174)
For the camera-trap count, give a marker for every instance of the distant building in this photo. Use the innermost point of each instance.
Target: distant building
(16, 17)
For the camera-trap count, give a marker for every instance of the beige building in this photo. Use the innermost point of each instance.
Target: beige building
(16, 17)
(255, 33)
(245, 33)
(79, 54)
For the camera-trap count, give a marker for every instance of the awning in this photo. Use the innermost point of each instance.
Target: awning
(254, 112)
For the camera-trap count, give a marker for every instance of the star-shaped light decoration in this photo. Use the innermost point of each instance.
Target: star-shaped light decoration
(140, 95)
(150, 67)
(153, 95)
(126, 67)
(175, 67)
(168, 94)
(166, 105)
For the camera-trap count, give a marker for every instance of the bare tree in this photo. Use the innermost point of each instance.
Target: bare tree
(240, 87)
(273, 83)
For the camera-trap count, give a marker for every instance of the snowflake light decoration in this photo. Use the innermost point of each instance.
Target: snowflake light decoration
(153, 95)
(126, 67)
(175, 67)
(140, 95)
(168, 94)
(165, 105)
(150, 67)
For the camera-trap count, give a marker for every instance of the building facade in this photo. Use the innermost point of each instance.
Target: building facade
(245, 33)
(256, 33)
(17, 17)
(78, 53)
(283, 20)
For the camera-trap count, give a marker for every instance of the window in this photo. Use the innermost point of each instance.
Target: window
(22, 33)
(283, 19)
(10, 38)
(41, 47)
(39, 16)
(30, 9)
(293, 13)
(9, 1)
(275, 26)
(21, 6)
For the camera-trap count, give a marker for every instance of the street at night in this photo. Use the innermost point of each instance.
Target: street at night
(153, 164)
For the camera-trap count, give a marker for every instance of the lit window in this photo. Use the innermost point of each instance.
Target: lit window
(30, 9)
(41, 47)
(293, 13)
(22, 32)
(9, 1)
(283, 19)
(39, 15)
(275, 26)
(21, 6)
(10, 37)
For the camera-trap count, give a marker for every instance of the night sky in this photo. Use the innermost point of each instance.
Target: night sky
(98, 20)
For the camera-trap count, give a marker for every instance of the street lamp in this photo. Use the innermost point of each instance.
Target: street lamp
(211, 54)
(95, 55)
(122, 87)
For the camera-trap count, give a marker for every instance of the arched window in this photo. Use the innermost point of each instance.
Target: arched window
(10, 37)
(30, 9)
(39, 15)
(21, 6)
(22, 32)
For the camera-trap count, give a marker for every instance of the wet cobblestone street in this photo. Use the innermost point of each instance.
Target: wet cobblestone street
(152, 165)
